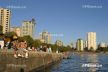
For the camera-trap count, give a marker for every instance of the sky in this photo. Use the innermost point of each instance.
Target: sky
(66, 20)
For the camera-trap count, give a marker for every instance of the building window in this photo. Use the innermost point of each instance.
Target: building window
(6, 28)
(6, 24)
(7, 10)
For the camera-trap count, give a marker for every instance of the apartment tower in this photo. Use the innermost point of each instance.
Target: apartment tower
(91, 41)
(5, 16)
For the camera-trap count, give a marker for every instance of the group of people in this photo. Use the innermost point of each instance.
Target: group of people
(20, 48)
(45, 49)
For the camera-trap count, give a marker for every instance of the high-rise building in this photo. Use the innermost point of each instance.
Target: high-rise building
(28, 28)
(45, 37)
(59, 43)
(91, 41)
(17, 30)
(80, 45)
(5, 16)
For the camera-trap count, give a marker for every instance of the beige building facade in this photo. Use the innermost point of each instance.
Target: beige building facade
(28, 28)
(91, 40)
(5, 17)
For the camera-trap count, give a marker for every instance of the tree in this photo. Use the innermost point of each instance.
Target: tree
(105, 49)
(100, 49)
(54, 47)
(1, 28)
(86, 49)
(64, 48)
(10, 34)
(36, 43)
(29, 40)
(91, 49)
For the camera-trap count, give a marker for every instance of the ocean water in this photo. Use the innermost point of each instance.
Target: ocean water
(84, 62)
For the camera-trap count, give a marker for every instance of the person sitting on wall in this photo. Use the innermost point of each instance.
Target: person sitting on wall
(5, 49)
(44, 48)
(50, 50)
(15, 47)
(23, 52)
(41, 48)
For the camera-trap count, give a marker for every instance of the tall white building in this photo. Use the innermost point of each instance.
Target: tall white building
(45, 37)
(80, 45)
(91, 41)
(28, 28)
(5, 16)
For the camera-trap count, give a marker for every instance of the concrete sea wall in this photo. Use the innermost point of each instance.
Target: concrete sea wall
(36, 61)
